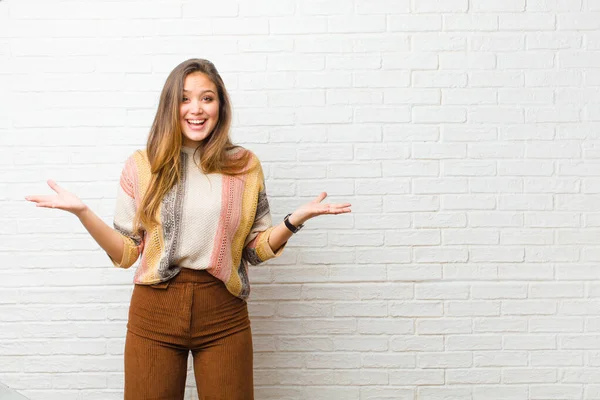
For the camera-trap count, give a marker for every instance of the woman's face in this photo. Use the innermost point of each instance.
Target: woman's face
(199, 108)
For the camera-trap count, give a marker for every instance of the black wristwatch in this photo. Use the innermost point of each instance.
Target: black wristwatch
(289, 225)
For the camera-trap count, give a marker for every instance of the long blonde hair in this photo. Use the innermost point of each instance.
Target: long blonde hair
(165, 140)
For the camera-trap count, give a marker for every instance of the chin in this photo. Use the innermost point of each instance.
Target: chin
(196, 137)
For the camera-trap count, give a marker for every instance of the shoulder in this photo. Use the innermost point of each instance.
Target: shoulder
(238, 152)
(139, 157)
(136, 162)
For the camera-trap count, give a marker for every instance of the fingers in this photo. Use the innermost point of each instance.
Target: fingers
(339, 211)
(54, 186)
(39, 199)
(335, 208)
(338, 206)
(320, 197)
(46, 205)
(48, 201)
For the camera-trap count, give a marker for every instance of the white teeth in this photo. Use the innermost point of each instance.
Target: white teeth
(196, 121)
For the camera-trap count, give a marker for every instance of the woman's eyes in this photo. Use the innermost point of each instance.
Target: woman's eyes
(208, 99)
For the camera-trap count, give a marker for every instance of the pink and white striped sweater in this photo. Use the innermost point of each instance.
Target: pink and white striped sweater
(215, 222)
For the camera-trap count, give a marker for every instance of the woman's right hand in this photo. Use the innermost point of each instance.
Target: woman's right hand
(63, 200)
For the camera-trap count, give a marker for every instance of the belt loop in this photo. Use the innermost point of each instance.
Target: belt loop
(161, 285)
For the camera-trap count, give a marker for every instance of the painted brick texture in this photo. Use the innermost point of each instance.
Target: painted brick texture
(466, 134)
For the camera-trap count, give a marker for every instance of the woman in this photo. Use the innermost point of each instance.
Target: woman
(194, 207)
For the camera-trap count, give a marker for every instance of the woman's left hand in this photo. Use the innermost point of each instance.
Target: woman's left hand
(315, 208)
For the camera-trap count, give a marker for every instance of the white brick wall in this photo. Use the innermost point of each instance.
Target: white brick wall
(464, 132)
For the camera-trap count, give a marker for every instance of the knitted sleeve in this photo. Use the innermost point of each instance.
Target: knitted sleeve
(256, 246)
(125, 210)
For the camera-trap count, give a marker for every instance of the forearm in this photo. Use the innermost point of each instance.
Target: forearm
(108, 238)
(281, 234)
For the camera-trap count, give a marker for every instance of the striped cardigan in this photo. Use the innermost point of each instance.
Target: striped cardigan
(241, 234)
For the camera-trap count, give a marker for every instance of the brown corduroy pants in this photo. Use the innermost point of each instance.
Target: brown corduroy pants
(191, 312)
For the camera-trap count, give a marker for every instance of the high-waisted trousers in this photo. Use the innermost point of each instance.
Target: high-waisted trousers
(191, 312)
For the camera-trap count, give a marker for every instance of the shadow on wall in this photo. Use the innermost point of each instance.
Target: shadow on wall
(9, 394)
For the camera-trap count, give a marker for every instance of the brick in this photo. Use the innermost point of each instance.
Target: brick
(388, 360)
(297, 25)
(439, 79)
(410, 168)
(360, 343)
(434, 186)
(469, 96)
(416, 377)
(328, 360)
(436, 326)
(470, 23)
(381, 79)
(527, 22)
(440, 220)
(558, 391)
(445, 360)
(410, 61)
(553, 185)
(383, 7)
(389, 326)
(473, 376)
(440, 393)
(526, 97)
(470, 236)
(578, 21)
(363, 309)
(502, 358)
(529, 342)
(554, 40)
(555, 325)
(416, 308)
(410, 273)
(412, 237)
(471, 272)
(499, 291)
(271, 8)
(500, 325)
(525, 271)
(414, 23)
(473, 342)
(525, 168)
(468, 133)
(411, 96)
(356, 24)
(468, 202)
(472, 308)
(500, 392)
(496, 79)
(424, 42)
(428, 6)
(387, 43)
(433, 291)
(426, 114)
(354, 96)
(556, 358)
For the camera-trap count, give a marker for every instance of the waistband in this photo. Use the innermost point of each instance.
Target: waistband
(187, 275)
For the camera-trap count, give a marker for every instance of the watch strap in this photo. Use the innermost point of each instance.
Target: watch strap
(289, 225)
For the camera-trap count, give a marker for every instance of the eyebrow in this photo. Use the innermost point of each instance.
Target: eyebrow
(204, 91)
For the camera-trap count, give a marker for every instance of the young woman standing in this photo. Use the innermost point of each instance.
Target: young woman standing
(194, 207)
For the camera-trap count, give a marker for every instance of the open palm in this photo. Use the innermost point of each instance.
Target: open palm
(315, 208)
(63, 199)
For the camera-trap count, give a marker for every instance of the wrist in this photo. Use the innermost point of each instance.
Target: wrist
(81, 213)
(295, 220)
(291, 224)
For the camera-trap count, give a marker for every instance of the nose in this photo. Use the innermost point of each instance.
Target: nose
(197, 107)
